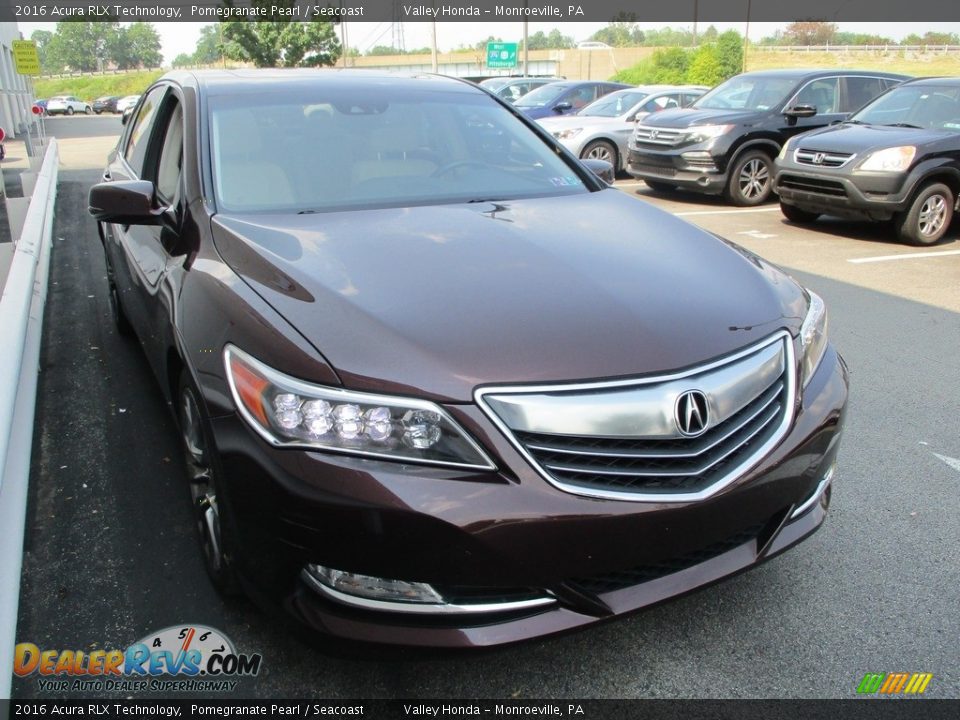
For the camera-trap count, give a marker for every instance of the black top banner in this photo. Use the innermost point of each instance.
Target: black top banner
(675, 11)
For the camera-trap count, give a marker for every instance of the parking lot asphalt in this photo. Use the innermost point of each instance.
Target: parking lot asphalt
(111, 556)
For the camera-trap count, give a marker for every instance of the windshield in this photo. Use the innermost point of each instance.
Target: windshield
(542, 96)
(923, 106)
(494, 84)
(747, 93)
(316, 149)
(615, 104)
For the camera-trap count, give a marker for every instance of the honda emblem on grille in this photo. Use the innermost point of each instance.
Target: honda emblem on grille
(653, 134)
(691, 413)
(818, 158)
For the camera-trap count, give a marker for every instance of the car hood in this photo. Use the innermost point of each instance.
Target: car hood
(563, 122)
(857, 139)
(687, 117)
(434, 301)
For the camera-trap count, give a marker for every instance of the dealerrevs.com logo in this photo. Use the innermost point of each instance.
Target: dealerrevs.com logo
(898, 683)
(188, 658)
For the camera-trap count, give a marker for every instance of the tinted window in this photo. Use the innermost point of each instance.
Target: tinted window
(823, 94)
(861, 90)
(542, 96)
(614, 104)
(140, 127)
(334, 148)
(747, 93)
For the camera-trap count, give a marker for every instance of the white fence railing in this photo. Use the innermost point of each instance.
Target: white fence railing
(21, 320)
(932, 49)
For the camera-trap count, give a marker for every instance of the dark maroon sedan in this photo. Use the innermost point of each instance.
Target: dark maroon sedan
(440, 385)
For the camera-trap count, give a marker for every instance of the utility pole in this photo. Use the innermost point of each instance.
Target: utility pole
(526, 47)
(696, 7)
(746, 37)
(433, 46)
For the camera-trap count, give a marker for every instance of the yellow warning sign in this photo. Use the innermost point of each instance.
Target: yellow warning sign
(25, 57)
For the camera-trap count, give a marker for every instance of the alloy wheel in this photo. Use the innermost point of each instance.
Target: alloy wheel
(933, 215)
(754, 179)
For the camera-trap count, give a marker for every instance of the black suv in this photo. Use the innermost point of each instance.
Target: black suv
(899, 157)
(727, 140)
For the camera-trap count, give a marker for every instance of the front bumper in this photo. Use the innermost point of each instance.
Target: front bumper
(509, 533)
(702, 174)
(873, 196)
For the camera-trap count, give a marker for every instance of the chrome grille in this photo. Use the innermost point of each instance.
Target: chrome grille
(752, 393)
(658, 135)
(818, 158)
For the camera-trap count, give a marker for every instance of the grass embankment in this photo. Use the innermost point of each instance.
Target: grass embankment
(90, 87)
(909, 62)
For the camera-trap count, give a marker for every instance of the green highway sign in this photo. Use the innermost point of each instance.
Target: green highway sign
(501, 55)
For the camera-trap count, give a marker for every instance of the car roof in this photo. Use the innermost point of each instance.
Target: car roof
(808, 74)
(938, 81)
(218, 82)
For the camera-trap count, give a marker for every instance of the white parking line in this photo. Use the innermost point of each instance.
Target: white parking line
(905, 256)
(727, 212)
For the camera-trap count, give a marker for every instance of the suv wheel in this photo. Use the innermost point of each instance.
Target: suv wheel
(929, 216)
(797, 215)
(751, 179)
(660, 187)
(210, 514)
(89, 110)
(600, 150)
(69, 110)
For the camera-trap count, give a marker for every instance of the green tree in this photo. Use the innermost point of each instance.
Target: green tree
(671, 66)
(282, 43)
(668, 37)
(42, 38)
(83, 46)
(144, 44)
(557, 40)
(704, 66)
(709, 35)
(730, 54)
(208, 46)
(183, 60)
(620, 33)
(384, 50)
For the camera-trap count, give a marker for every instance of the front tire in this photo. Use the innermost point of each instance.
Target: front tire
(798, 215)
(929, 216)
(601, 150)
(89, 110)
(751, 179)
(210, 516)
(69, 111)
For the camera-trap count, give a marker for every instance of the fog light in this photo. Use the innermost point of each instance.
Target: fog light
(374, 588)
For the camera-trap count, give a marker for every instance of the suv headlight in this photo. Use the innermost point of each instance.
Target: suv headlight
(813, 336)
(700, 133)
(895, 159)
(291, 413)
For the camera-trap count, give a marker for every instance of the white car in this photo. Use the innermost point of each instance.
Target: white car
(67, 105)
(602, 130)
(127, 103)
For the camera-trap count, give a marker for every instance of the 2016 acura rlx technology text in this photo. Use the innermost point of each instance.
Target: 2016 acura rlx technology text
(425, 397)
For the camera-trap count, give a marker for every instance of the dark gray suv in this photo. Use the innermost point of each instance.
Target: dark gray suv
(726, 141)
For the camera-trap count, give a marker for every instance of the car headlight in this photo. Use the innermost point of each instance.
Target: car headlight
(700, 133)
(567, 134)
(813, 336)
(895, 159)
(287, 412)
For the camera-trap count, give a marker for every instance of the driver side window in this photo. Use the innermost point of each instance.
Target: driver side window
(141, 127)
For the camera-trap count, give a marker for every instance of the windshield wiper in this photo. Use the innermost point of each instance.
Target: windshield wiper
(855, 122)
(906, 125)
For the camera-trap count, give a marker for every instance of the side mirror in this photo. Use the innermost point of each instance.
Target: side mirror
(800, 111)
(561, 107)
(125, 118)
(128, 202)
(631, 118)
(601, 168)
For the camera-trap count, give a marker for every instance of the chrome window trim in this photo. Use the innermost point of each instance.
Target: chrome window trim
(421, 608)
(781, 336)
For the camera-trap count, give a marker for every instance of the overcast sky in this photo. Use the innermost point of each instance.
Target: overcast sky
(182, 37)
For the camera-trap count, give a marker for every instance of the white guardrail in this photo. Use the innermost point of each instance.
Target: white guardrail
(21, 322)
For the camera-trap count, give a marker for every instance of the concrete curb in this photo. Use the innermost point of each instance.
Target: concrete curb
(21, 322)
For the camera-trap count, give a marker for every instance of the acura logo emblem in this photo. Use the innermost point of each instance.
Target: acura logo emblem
(691, 414)
(818, 158)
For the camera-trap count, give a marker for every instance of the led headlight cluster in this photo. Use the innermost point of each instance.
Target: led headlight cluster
(288, 412)
(813, 336)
